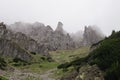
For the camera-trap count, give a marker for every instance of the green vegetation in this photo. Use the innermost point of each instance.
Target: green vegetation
(3, 63)
(3, 78)
(61, 56)
(40, 68)
(61, 72)
(107, 57)
(38, 64)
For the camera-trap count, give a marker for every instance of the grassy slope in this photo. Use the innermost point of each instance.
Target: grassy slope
(106, 57)
(63, 56)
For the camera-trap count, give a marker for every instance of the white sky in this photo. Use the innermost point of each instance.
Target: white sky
(74, 14)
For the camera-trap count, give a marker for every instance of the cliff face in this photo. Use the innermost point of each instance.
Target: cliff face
(18, 44)
(9, 48)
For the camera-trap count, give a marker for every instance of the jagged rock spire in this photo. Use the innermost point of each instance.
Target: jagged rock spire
(59, 27)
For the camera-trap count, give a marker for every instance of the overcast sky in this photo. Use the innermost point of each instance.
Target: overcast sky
(74, 14)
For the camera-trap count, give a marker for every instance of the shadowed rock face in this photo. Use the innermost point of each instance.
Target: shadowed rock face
(46, 36)
(11, 49)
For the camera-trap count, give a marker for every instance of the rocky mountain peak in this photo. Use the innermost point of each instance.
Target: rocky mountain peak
(2, 25)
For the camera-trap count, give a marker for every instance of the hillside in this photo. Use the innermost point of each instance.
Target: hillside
(56, 56)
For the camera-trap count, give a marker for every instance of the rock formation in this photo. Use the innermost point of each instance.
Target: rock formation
(18, 44)
(46, 36)
(92, 35)
(58, 39)
(9, 48)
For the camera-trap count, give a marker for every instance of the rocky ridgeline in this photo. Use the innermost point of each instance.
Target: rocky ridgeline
(45, 35)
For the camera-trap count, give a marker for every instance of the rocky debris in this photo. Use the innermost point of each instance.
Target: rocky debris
(88, 72)
(92, 35)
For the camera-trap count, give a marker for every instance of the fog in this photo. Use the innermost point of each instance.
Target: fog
(74, 14)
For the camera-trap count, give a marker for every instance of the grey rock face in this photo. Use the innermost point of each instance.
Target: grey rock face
(9, 48)
(46, 36)
(88, 72)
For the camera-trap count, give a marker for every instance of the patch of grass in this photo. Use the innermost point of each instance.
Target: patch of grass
(61, 72)
(64, 57)
(48, 65)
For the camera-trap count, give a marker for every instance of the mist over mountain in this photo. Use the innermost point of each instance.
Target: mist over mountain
(45, 35)
(58, 38)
